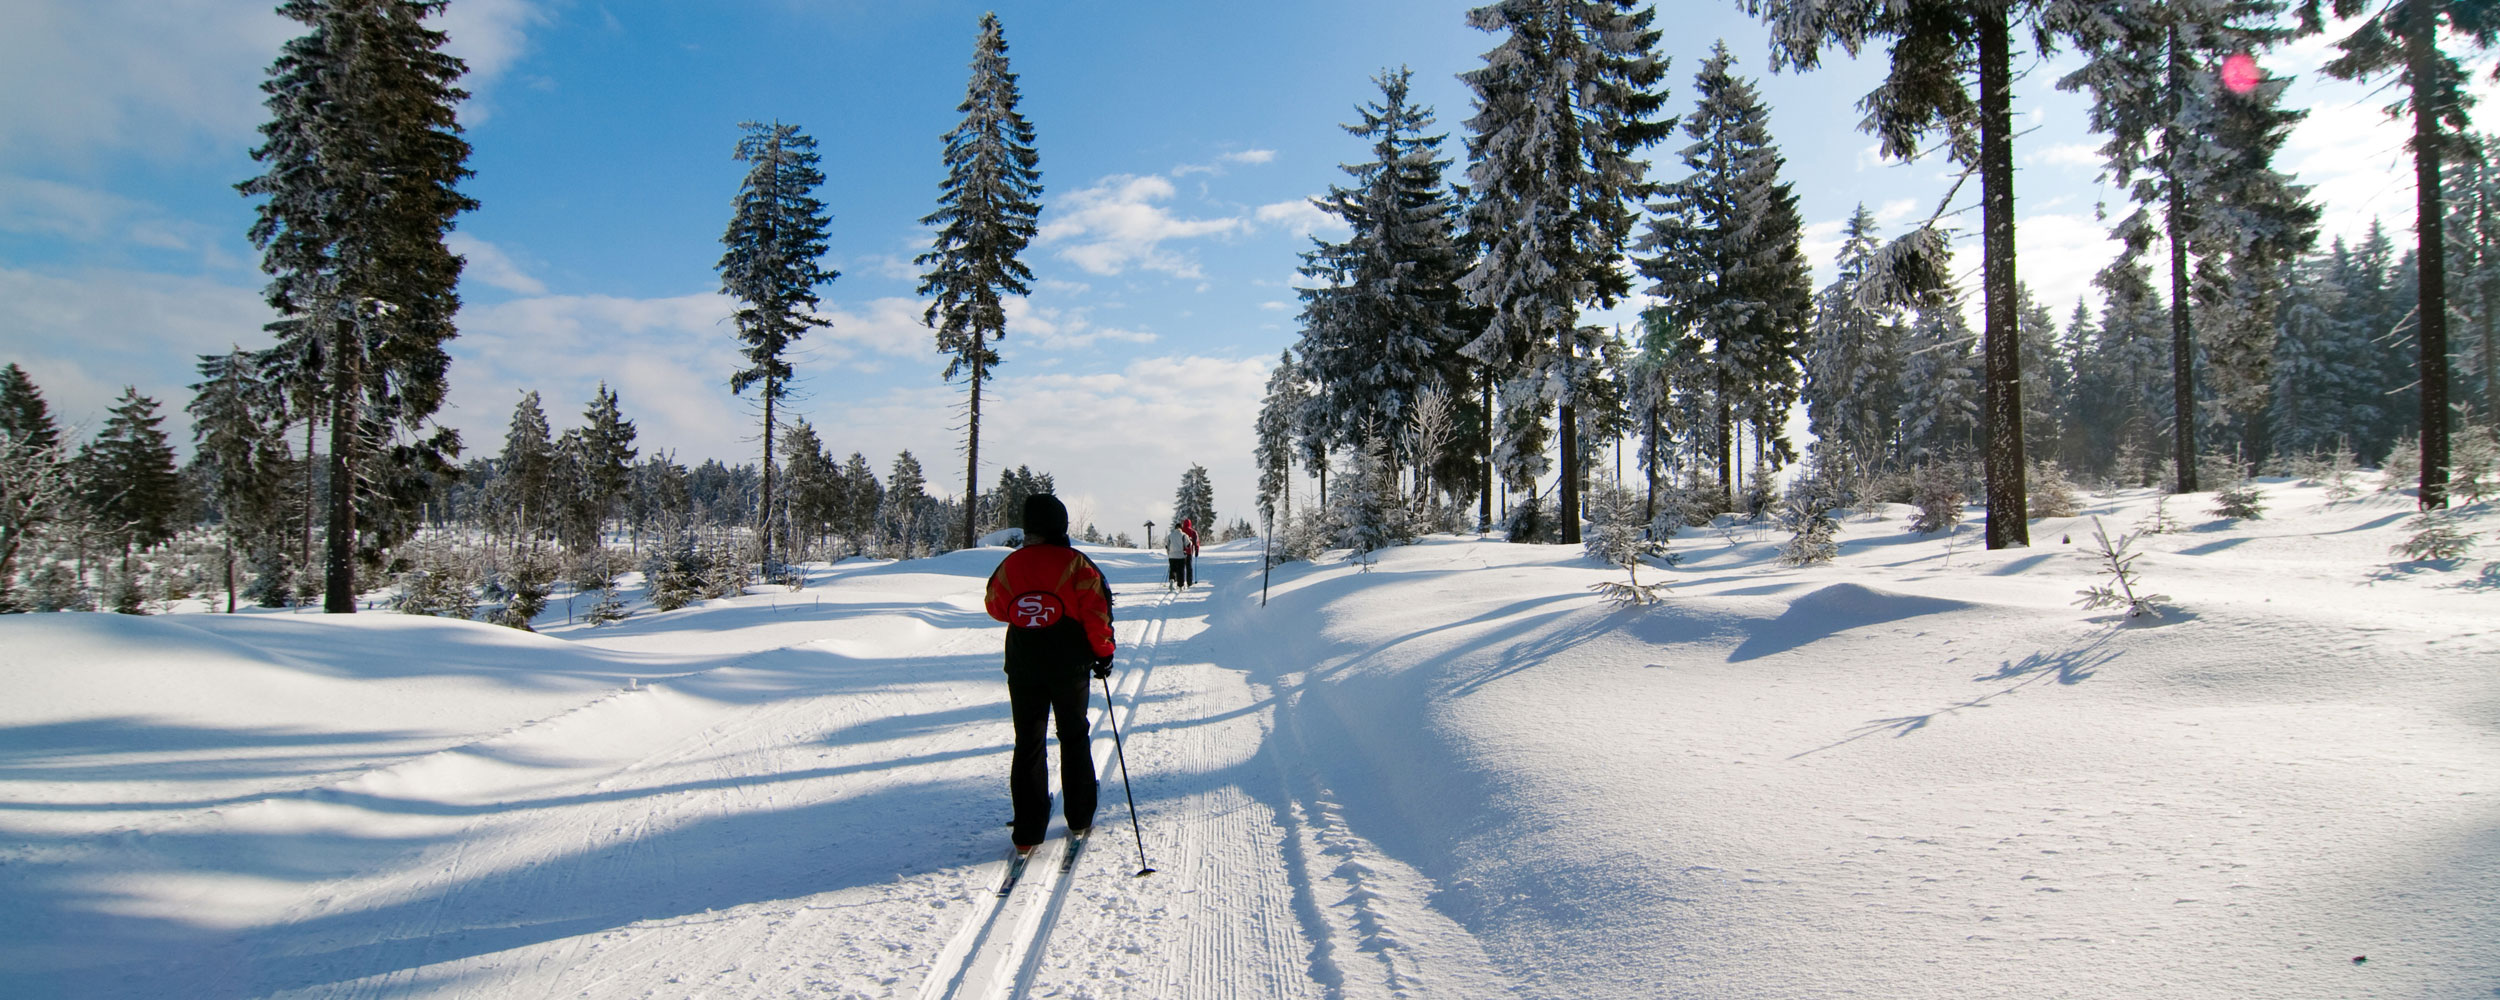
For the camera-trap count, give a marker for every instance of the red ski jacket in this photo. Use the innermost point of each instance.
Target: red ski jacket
(1056, 604)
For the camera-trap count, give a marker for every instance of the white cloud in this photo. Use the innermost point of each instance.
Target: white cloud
(2068, 154)
(83, 336)
(1118, 224)
(888, 326)
(1299, 217)
(1250, 156)
(489, 264)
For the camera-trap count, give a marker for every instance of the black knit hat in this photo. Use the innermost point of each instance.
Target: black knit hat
(1045, 517)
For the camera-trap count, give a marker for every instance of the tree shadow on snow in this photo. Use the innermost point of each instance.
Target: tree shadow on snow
(2066, 667)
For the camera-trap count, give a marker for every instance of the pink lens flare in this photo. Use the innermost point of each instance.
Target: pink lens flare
(2239, 73)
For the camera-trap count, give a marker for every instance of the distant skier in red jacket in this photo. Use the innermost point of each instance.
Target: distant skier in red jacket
(1189, 569)
(1057, 607)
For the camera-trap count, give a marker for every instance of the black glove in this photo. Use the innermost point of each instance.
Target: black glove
(1102, 668)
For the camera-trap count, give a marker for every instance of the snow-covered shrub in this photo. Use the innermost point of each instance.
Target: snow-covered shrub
(2243, 502)
(726, 573)
(56, 587)
(2049, 493)
(1533, 520)
(1618, 536)
(1762, 494)
(2158, 520)
(442, 588)
(2215, 469)
(2332, 470)
(2121, 588)
(1806, 514)
(1365, 512)
(2473, 464)
(2403, 469)
(128, 597)
(525, 585)
(1937, 490)
(611, 608)
(674, 573)
(2436, 538)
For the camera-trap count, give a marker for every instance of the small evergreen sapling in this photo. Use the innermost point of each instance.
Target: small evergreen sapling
(2052, 494)
(2436, 538)
(1618, 536)
(2243, 502)
(1937, 490)
(2158, 520)
(2121, 588)
(1806, 515)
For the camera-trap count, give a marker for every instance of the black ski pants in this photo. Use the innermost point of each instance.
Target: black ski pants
(1035, 694)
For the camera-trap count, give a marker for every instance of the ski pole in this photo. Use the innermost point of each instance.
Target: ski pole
(1111, 712)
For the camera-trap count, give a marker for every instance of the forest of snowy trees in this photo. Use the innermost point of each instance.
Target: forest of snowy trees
(1443, 378)
(1446, 374)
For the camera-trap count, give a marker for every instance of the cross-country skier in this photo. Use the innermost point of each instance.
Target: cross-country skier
(1189, 570)
(1176, 551)
(1057, 607)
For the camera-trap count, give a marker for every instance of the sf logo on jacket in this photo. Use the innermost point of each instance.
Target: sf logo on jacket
(1037, 609)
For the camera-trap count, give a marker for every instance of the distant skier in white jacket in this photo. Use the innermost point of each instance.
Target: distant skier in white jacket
(1176, 549)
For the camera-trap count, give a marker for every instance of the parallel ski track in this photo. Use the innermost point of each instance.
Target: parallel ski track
(998, 948)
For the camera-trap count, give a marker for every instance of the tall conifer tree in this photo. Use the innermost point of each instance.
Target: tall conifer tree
(776, 243)
(1563, 106)
(2404, 37)
(127, 476)
(1729, 263)
(362, 158)
(987, 213)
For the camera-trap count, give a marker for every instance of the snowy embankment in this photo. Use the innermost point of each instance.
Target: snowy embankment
(1920, 770)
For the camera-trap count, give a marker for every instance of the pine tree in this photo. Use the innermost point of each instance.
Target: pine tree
(906, 504)
(1729, 264)
(1563, 105)
(1853, 359)
(362, 156)
(1939, 393)
(1380, 327)
(1286, 395)
(1194, 501)
(2473, 199)
(238, 427)
(1936, 46)
(775, 242)
(2200, 149)
(127, 479)
(2403, 37)
(37, 478)
(810, 485)
(525, 480)
(606, 451)
(863, 499)
(2312, 381)
(987, 211)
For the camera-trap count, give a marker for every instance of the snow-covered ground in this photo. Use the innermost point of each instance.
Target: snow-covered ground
(1918, 771)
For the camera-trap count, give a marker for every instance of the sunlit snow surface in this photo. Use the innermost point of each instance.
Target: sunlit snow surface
(1918, 771)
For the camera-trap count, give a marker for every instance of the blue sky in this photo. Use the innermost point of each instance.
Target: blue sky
(1180, 142)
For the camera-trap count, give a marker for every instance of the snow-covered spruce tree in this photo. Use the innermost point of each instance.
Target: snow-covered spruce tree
(2305, 409)
(1936, 489)
(2121, 380)
(2436, 538)
(673, 574)
(38, 484)
(906, 506)
(238, 429)
(2241, 501)
(1728, 260)
(776, 242)
(2404, 37)
(1378, 325)
(1564, 105)
(127, 480)
(605, 450)
(863, 499)
(525, 484)
(1194, 501)
(2197, 146)
(1278, 410)
(1939, 393)
(1619, 536)
(2473, 200)
(986, 215)
(1939, 48)
(1852, 360)
(2048, 379)
(809, 483)
(362, 157)
(1364, 514)
(1806, 514)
